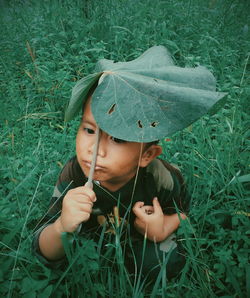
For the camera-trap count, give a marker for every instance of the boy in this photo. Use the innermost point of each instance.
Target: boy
(148, 193)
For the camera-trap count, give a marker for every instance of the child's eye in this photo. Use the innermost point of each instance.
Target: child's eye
(89, 131)
(119, 141)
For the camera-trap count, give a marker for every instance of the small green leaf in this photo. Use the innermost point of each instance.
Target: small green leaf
(243, 178)
(45, 292)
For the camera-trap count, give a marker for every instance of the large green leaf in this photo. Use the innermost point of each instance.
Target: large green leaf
(79, 94)
(142, 108)
(154, 58)
(148, 98)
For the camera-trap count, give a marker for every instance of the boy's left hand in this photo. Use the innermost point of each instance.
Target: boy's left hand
(149, 219)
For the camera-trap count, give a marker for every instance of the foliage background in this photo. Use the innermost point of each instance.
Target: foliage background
(46, 46)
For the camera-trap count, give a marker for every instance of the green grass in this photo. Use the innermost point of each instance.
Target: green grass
(46, 46)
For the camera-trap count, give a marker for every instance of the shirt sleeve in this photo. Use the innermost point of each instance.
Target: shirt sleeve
(70, 177)
(169, 186)
(177, 199)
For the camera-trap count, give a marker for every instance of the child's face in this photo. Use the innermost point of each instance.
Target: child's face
(117, 160)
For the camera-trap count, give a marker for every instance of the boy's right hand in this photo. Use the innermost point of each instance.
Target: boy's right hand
(76, 208)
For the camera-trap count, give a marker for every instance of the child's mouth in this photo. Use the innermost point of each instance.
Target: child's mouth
(97, 167)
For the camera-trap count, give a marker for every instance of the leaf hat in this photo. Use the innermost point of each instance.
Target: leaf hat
(148, 98)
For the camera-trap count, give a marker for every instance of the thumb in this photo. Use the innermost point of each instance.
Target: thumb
(137, 208)
(157, 206)
(89, 184)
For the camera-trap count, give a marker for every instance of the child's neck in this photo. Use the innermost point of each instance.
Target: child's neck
(112, 186)
(115, 185)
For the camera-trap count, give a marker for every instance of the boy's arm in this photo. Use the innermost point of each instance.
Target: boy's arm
(76, 208)
(50, 242)
(151, 220)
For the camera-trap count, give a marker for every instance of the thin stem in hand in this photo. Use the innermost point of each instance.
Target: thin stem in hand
(89, 183)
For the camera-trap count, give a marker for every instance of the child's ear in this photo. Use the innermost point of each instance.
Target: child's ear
(151, 153)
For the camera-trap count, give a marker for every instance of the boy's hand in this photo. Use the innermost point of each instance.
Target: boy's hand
(149, 219)
(76, 208)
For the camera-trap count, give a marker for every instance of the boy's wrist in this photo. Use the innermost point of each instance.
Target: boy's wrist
(58, 226)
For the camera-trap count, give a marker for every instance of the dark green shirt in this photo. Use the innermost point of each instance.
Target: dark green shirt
(159, 179)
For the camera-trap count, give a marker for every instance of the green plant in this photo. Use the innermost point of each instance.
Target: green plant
(46, 46)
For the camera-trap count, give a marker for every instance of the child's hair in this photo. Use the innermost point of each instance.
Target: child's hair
(150, 144)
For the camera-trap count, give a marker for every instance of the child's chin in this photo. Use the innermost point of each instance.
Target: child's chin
(98, 177)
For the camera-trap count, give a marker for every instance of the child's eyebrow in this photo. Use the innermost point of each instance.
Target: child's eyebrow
(88, 122)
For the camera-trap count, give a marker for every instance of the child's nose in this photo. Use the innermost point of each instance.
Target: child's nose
(102, 147)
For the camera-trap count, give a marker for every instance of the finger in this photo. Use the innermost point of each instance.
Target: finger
(137, 207)
(82, 216)
(157, 206)
(77, 199)
(83, 190)
(140, 213)
(148, 209)
(86, 208)
(89, 184)
(139, 222)
(82, 199)
(88, 191)
(138, 204)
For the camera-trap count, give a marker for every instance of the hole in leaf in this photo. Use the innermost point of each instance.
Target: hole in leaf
(111, 110)
(154, 124)
(139, 124)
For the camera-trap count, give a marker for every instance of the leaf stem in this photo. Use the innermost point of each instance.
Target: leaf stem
(89, 183)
